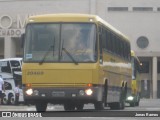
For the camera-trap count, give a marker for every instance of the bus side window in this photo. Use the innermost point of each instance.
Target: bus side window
(108, 40)
(104, 41)
(113, 43)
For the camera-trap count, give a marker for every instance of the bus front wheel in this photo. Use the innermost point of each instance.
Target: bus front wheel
(69, 106)
(121, 104)
(99, 105)
(80, 106)
(41, 106)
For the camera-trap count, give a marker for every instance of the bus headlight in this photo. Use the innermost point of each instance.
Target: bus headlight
(29, 91)
(130, 98)
(88, 92)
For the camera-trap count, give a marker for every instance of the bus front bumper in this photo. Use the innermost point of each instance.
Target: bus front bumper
(61, 95)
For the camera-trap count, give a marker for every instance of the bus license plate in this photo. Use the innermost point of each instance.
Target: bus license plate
(58, 94)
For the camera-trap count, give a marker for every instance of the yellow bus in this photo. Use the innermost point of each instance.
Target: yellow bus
(134, 98)
(75, 59)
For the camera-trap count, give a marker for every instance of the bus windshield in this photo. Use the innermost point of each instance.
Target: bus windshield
(60, 42)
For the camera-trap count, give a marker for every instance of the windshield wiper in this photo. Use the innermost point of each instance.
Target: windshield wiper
(51, 47)
(66, 51)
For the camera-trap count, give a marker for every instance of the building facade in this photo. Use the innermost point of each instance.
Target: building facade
(138, 19)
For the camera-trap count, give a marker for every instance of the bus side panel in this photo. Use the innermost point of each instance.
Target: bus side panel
(116, 72)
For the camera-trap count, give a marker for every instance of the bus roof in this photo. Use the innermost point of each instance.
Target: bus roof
(69, 17)
(8, 59)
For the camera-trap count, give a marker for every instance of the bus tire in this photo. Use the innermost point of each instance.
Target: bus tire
(132, 104)
(41, 106)
(79, 107)
(137, 103)
(99, 105)
(69, 106)
(119, 105)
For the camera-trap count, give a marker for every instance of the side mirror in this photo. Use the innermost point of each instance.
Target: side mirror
(22, 40)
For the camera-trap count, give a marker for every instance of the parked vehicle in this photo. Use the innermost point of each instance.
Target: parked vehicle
(10, 69)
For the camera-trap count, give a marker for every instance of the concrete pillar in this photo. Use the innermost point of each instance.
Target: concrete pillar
(9, 48)
(154, 77)
(1, 47)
